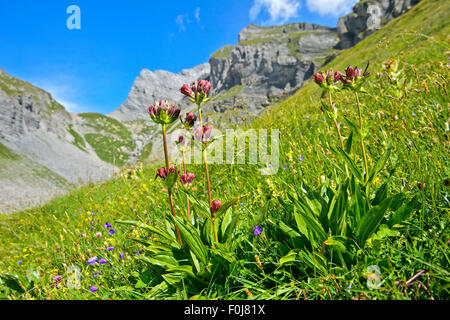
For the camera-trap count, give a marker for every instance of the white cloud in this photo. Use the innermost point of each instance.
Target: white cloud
(63, 93)
(279, 11)
(181, 21)
(331, 7)
(197, 14)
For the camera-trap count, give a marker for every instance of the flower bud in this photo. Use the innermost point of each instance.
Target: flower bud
(187, 179)
(318, 78)
(163, 114)
(204, 85)
(357, 73)
(330, 76)
(162, 173)
(337, 76)
(350, 72)
(189, 120)
(215, 206)
(203, 134)
(187, 91)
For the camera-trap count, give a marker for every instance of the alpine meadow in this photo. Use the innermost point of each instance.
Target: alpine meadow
(359, 208)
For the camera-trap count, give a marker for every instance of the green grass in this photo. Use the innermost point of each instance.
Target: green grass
(232, 92)
(110, 149)
(63, 232)
(5, 153)
(112, 141)
(78, 139)
(222, 53)
(106, 124)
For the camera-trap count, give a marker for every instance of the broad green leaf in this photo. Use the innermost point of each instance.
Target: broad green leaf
(12, 282)
(354, 128)
(380, 164)
(146, 227)
(164, 261)
(290, 257)
(348, 144)
(381, 194)
(184, 269)
(372, 220)
(192, 239)
(403, 212)
(351, 164)
(288, 230)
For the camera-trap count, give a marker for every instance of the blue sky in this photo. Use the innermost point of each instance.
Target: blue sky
(93, 69)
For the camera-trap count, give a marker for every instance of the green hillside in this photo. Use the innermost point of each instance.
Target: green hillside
(328, 230)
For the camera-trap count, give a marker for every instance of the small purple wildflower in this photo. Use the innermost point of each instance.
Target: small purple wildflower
(257, 231)
(93, 260)
(111, 232)
(57, 281)
(107, 225)
(284, 167)
(19, 262)
(102, 261)
(414, 114)
(121, 256)
(94, 288)
(138, 253)
(307, 117)
(242, 204)
(300, 158)
(110, 249)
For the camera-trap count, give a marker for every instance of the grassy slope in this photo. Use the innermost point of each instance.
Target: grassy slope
(110, 138)
(59, 234)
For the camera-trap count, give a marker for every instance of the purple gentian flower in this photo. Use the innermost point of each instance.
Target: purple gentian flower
(111, 232)
(92, 260)
(257, 231)
(94, 288)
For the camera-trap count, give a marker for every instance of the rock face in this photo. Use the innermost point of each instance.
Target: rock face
(154, 86)
(268, 62)
(368, 16)
(39, 159)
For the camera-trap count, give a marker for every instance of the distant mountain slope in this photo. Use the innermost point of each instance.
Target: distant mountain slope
(45, 152)
(369, 16)
(419, 34)
(154, 86)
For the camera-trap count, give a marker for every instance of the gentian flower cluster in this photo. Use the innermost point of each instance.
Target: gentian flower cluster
(162, 113)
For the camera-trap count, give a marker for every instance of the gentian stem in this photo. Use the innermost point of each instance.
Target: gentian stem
(187, 198)
(205, 159)
(338, 129)
(363, 148)
(166, 155)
